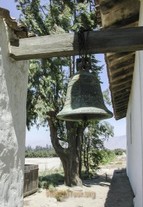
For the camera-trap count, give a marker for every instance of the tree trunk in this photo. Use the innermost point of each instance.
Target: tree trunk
(86, 154)
(70, 157)
(71, 170)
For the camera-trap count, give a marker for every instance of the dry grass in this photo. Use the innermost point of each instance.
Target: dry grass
(62, 194)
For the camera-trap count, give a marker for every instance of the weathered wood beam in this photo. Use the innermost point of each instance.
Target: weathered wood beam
(122, 84)
(66, 44)
(122, 88)
(122, 60)
(118, 71)
(121, 77)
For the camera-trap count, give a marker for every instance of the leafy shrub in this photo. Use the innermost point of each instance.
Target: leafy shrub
(107, 156)
(39, 151)
(119, 151)
(51, 180)
(97, 157)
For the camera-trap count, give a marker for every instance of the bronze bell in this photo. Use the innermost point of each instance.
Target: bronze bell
(84, 99)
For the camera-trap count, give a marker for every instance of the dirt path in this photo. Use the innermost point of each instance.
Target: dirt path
(110, 189)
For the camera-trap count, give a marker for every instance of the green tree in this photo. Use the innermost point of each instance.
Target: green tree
(93, 144)
(48, 77)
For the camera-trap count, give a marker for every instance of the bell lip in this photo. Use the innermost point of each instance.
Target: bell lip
(93, 112)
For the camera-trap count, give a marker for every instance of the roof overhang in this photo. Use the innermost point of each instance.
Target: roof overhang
(120, 66)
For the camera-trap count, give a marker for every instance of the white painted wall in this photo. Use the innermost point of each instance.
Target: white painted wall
(13, 90)
(135, 128)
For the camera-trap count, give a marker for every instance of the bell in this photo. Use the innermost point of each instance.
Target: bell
(84, 99)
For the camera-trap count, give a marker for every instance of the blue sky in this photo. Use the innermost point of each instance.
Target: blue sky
(41, 137)
(11, 6)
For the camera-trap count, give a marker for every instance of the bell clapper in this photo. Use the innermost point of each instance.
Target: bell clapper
(85, 120)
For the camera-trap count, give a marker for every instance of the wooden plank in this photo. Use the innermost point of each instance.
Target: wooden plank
(122, 60)
(66, 44)
(121, 105)
(121, 77)
(122, 88)
(115, 12)
(119, 99)
(118, 71)
(119, 84)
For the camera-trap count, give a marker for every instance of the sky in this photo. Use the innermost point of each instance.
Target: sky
(41, 137)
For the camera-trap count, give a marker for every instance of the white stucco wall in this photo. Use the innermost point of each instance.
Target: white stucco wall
(135, 128)
(13, 90)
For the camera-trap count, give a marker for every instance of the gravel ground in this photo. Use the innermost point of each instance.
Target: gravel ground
(110, 189)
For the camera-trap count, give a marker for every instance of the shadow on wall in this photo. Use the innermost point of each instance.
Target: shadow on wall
(120, 193)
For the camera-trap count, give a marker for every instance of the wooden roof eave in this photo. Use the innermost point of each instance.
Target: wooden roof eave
(115, 14)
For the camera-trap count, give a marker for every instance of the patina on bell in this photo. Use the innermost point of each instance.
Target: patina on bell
(84, 99)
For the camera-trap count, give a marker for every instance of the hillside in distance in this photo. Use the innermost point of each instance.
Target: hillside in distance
(116, 142)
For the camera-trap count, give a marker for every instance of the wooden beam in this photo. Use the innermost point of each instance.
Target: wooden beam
(66, 44)
(121, 77)
(121, 84)
(117, 71)
(122, 60)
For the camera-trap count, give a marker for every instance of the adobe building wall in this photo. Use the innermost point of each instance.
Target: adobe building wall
(135, 127)
(13, 92)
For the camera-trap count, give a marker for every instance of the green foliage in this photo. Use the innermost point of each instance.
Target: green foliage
(119, 151)
(85, 17)
(106, 95)
(48, 78)
(95, 158)
(39, 151)
(93, 147)
(107, 156)
(46, 89)
(49, 181)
